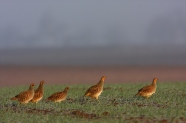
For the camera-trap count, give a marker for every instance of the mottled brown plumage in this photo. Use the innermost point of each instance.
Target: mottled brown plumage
(59, 96)
(96, 90)
(38, 93)
(147, 91)
(25, 96)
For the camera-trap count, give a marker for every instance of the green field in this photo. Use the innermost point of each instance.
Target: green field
(116, 104)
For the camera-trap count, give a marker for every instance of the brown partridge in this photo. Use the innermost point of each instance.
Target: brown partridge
(38, 93)
(59, 96)
(147, 91)
(25, 96)
(96, 90)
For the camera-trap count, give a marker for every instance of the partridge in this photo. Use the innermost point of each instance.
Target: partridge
(25, 96)
(59, 96)
(38, 93)
(147, 91)
(96, 90)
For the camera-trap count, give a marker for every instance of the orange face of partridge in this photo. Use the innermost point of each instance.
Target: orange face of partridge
(42, 82)
(32, 85)
(154, 81)
(103, 78)
(67, 88)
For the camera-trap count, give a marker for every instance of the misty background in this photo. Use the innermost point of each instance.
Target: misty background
(93, 32)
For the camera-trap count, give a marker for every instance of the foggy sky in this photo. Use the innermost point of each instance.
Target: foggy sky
(58, 23)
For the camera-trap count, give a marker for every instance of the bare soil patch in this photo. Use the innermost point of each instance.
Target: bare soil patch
(89, 115)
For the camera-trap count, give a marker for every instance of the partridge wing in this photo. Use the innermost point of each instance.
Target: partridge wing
(22, 94)
(54, 96)
(37, 91)
(93, 89)
(37, 95)
(145, 89)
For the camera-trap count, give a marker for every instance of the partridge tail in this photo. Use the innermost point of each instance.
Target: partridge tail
(136, 94)
(86, 94)
(13, 98)
(31, 100)
(46, 100)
